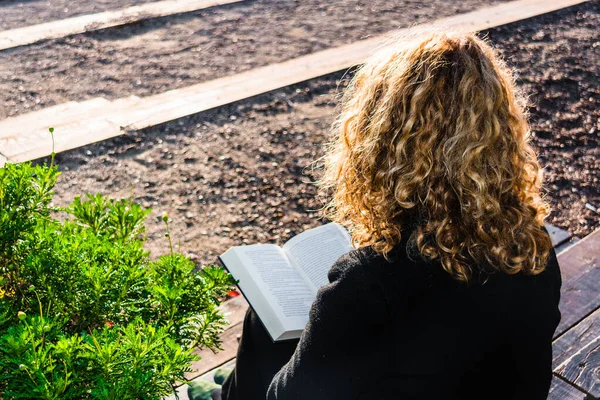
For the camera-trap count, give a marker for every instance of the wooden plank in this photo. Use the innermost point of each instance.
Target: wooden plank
(580, 296)
(576, 352)
(30, 119)
(38, 143)
(561, 390)
(69, 112)
(182, 390)
(558, 236)
(210, 375)
(571, 341)
(178, 103)
(229, 342)
(26, 137)
(180, 394)
(234, 309)
(576, 355)
(108, 19)
(582, 255)
(566, 245)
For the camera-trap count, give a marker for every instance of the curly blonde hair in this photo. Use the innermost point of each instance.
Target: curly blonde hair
(433, 140)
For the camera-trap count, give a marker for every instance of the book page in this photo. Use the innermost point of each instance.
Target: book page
(276, 290)
(314, 251)
(280, 279)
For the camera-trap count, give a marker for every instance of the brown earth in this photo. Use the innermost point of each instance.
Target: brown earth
(557, 57)
(241, 173)
(156, 55)
(20, 13)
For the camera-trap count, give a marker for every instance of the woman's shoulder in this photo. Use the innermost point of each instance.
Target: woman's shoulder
(400, 273)
(367, 274)
(363, 264)
(357, 275)
(367, 263)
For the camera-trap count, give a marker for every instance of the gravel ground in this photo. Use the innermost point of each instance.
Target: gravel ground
(19, 13)
(156, 55)
(242, 173)
(558, 60)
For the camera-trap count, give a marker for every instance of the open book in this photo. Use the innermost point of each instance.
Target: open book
(281, 283)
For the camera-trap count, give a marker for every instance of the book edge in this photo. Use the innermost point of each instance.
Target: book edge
(250, 303)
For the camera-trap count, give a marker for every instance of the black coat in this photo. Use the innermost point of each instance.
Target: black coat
(406, 330)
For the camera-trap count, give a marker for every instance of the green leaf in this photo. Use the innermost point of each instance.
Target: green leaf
(99, 319)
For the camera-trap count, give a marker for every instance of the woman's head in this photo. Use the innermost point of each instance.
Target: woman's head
(432, 140)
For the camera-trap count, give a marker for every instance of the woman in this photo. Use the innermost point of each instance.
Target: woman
(453, 290)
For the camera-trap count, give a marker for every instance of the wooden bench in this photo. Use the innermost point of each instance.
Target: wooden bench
(576, 348)
(576, 358)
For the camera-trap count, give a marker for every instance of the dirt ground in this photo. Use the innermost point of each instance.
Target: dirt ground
(242, 173)
(558, 65)
(20, 13)
(156, 55)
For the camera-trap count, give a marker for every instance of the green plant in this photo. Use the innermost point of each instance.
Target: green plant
(84, 312)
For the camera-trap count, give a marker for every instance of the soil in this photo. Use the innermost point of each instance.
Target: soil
(557, 57)
(242, 173)
(20, 13)
(156, 55)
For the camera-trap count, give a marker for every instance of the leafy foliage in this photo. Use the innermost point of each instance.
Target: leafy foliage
(84, 312)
